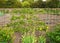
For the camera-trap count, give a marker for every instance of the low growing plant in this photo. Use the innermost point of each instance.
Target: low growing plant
(26, 22)
(25, 4)
(54, 36)
(23, 11)
(6, 35)
(41, 39)
(28, 39)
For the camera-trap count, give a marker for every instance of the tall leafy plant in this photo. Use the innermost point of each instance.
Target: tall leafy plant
(54, 36)
(6, 35)
(41, 39)
(28, 39)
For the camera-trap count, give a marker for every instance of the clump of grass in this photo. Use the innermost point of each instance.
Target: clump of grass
(41, 39)
(6, 34)
(26, 38)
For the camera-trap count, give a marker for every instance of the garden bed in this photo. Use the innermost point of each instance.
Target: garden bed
(30, 28)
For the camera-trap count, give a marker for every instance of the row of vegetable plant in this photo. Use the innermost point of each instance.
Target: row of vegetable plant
(32, 11)
(27, 25)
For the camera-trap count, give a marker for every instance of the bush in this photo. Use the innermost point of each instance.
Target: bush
(53, 11)
(25, 4)
(54, 36)
(6, 35)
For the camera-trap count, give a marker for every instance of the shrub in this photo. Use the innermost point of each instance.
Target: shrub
(41, 39)
(54, 36)
(25, 4)
(6, 35)
(41, 26)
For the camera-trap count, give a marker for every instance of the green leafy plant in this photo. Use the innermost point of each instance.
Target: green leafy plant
(6, 35)
(28, 39)
(28, 22)
(1, 13)
(54, 36)
(33, 11)
(42, 11)
(41, 26)
(53, 11)
(41, 39)
(23, 11)
(25, 4)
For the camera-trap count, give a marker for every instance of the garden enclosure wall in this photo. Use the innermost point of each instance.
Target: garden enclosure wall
(50, 16)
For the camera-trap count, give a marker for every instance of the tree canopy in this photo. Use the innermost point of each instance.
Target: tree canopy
(29, 3)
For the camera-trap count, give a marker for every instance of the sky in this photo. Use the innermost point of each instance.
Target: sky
(43, 0)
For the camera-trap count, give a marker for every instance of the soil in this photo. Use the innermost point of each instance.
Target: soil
(17, 37)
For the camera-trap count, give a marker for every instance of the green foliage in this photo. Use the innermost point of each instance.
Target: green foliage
(53, 11)
(41, 26)
(29, 11)
(1, 13)
(28, 39)
(4, 11)
(25, 4)
(42, 11)
(53, 4)
(28, 22)
(32, 11)
(41, 39)
(29, 3)
(6, 34)
(24, 11)
(2, 2)
(54, 36)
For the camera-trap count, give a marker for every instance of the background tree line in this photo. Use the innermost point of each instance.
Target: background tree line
(29, 3)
